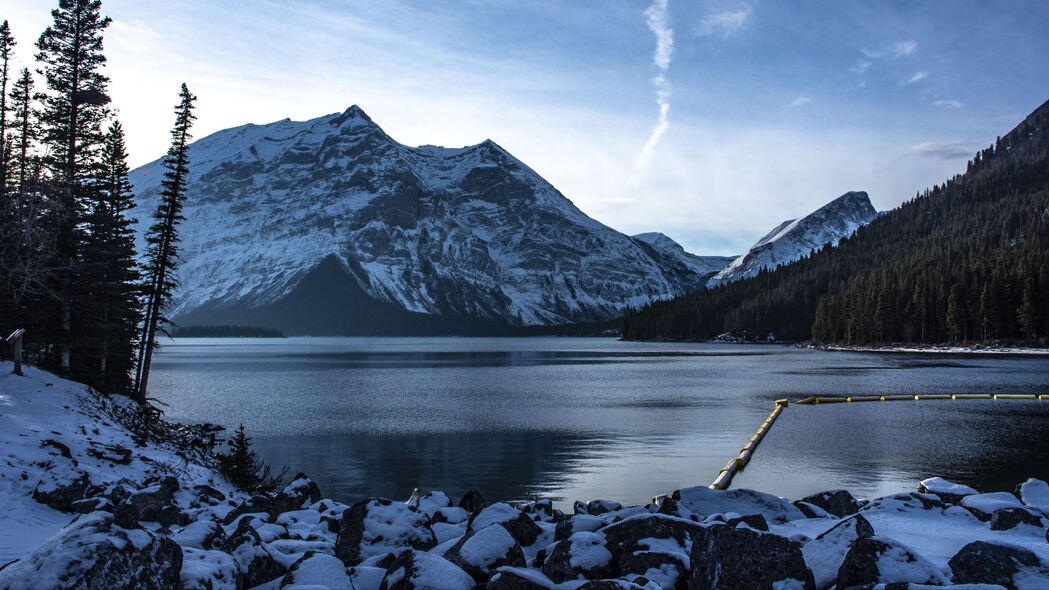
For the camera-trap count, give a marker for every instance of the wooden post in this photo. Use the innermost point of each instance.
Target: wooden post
(15, 340)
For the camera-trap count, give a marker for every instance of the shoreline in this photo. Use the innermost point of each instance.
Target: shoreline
(973, 350)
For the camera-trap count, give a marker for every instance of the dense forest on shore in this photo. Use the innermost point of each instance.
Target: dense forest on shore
(965, 261)
(225, 332)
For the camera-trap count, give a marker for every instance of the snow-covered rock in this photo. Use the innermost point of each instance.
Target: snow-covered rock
(873, 560)
(481, 552)
(274, 210)
(740, 557)
(417, 570)
(93, 553)
(825, 554)
(581, 556)
(704, 501)
(947, 490)
(1035, 494)
(375, 527)
(796, 238)
(984, 505)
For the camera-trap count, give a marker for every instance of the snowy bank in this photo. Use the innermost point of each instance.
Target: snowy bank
(91, 498)
(974, 349)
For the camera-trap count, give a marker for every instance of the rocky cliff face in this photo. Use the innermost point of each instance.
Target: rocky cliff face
(403, 231)
(796, 238)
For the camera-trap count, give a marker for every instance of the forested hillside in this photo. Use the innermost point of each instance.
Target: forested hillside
(965, 261)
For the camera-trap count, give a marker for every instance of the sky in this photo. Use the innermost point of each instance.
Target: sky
(709, 120)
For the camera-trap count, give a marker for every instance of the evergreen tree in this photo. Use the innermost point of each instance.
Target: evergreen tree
(24, 130)
(7, 46)
(110, 275)
(244, 468)
(162, 239)
(73, 111)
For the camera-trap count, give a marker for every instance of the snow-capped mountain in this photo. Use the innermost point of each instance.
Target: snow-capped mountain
(796, 238)
(333, 219)
(701, 265)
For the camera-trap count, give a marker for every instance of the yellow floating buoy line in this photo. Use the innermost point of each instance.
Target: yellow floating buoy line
(737, 463)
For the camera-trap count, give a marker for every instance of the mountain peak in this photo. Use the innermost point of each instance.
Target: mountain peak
(353, 113)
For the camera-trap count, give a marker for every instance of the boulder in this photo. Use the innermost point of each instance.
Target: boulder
(668, 570)
(89, 505)
(1004, 519)
(318, 569)
(811, 510)
(577, 523)
(472, 502)
(613, 585)
(825, 554)
(209, 570)
(1035, 494)
(450, 515)
(254, 560)
(374, 527)
(254, 505)
(202, 534)
(984, 505)
(515, 578)
(481, 552)
(596, 507)
(150, 502)
(704, 501)
(519, 524)
(980, 562)
(638, 533)
(93, 553)
(754, 521)
(583, 555)
(298, 494)
(208, 495)
(873, 560)
(61, 484)
(726, 557)
(840, 503)
(431, 502)
(948, 491)
(416, 570)
(542, 508)
(366, 577)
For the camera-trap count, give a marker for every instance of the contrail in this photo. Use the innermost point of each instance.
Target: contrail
(656, 16)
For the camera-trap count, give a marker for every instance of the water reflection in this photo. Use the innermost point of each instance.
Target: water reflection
(585, 418)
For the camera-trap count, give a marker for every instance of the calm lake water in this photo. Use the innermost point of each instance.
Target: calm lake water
(584, 418)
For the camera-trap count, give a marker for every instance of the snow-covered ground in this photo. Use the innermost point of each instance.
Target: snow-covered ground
(975, 349)
(90, 499)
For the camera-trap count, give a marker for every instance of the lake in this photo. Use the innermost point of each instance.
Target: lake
(585, 418)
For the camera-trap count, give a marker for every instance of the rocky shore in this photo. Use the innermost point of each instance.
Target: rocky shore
(91, 498)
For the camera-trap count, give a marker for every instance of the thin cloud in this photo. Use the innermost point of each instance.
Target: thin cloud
(861, 66)
(898, 49)
(947, 104)
(917, 77)
(725, 22)
(656, 17)
(799, 102)
(945, 150)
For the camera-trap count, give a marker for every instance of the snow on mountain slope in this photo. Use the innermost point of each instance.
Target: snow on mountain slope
(701, 265)
(460, 232)
(795, 238)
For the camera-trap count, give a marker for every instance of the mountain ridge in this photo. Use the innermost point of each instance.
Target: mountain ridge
(459, 232)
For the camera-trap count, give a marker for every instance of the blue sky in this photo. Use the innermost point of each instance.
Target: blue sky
(770, 108)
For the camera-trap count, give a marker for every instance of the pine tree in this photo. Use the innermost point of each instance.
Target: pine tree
(74, 109)
(24, 129)
(110, 275)
(244, 468)
(162, 239)
(7, 46)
